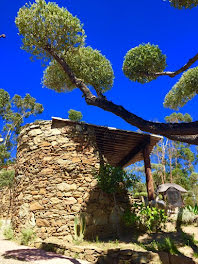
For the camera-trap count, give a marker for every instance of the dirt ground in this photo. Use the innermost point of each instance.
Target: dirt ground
(12, 253)
(185, 239)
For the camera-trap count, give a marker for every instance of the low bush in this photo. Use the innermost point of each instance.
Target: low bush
(186, 217)
(166, 245)
(114, 179)
(130, 218)
(145, 218)
(189, 201)
(193, 209)
(27, 236)
(8, 233)
(139, 194)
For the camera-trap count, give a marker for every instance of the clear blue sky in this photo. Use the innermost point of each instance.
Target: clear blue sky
(113, 27)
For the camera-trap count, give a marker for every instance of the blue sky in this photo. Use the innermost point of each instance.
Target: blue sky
(113, 27)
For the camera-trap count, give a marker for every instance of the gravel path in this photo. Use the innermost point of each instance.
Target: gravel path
(12, 253)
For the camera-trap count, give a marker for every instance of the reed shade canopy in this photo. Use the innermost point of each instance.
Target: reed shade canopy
(120, 147)
(164, 187)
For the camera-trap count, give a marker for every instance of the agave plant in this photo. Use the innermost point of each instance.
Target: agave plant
(79, 227)
(193, 209)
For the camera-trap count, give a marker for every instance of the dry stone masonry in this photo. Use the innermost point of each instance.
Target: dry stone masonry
(5, 203)
(54, 183)
(119, 255)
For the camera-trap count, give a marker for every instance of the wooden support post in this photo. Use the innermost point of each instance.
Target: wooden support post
(149, 178)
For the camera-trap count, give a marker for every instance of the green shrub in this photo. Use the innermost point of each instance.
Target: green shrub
(139, 194)
(189, 201)
(166, 245)
(186, 217)
(130, 218)
(114, 179)
(27, 236)
(153, 218)
(145, 218)
(193, 209)
(8, 233)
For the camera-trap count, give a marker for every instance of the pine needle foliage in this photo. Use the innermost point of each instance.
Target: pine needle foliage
(87, 64)
(184, 90)
(75, 115)
(42, 24)
(6, 178)
(140, 62)
(13, 112)
(184, 3)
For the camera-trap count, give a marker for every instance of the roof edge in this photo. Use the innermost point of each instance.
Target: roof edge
(110, 128)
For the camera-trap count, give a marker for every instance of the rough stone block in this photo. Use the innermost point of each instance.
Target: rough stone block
(35, 132)
(70, 200)
(42, 222)
(36, 206)
(55, 200)
(42, 191)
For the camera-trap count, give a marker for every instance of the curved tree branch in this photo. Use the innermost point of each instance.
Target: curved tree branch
(190, 139)
(182, 69)
(185, 132)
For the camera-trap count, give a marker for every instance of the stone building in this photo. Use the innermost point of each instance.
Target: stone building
(54, 176)
(6, 203)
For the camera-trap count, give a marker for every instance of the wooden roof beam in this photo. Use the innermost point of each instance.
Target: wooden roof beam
(149, 177)
(139, 148)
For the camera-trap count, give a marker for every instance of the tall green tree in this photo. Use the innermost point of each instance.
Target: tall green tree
(175, 160)
(53, 35)
(13, 112)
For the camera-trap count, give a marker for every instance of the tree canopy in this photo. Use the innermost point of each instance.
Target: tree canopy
(140, 62)
(173, 162)
(13, 112)
(87, 64)
(184, 3)
(75, 115)
(55, 36)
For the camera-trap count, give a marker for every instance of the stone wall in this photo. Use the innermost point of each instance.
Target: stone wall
(113, 255)
(54, 183)
(5, 203)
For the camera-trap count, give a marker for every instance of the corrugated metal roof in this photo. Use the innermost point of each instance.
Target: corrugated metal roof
(119, 147)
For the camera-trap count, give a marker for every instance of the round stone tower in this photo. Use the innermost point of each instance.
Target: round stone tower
(55, 182)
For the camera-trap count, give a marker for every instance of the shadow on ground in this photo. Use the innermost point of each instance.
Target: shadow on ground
(35, 254)
(137, 257)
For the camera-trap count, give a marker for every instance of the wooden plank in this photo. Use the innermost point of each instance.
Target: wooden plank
(133, 153)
